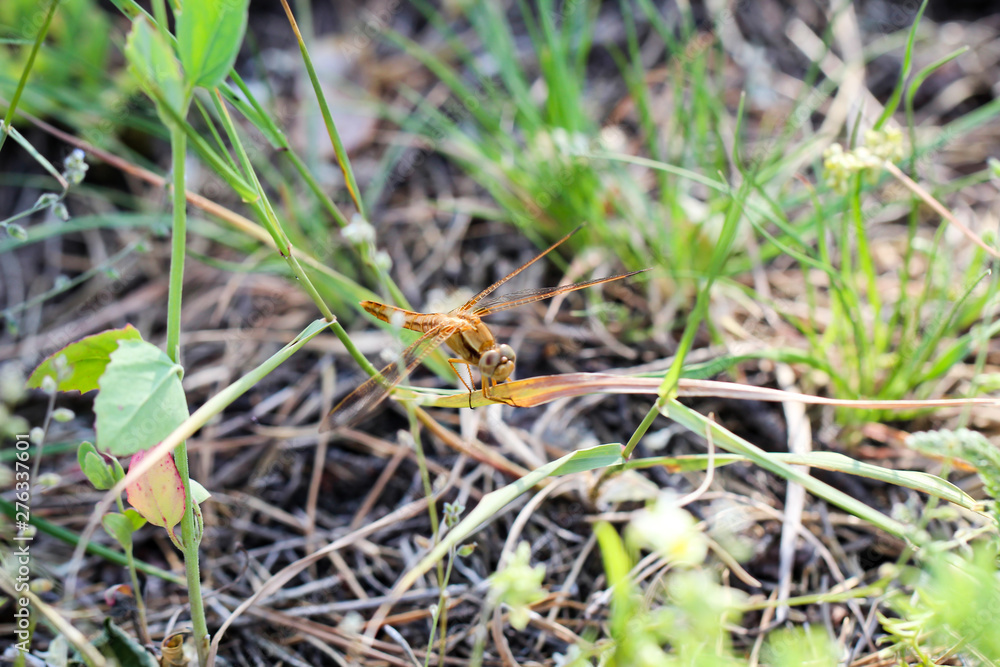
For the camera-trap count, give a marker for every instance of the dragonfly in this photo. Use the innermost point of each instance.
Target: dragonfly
(463, 330)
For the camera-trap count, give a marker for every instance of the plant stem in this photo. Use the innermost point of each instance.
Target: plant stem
(190, 528)
(191, 531)
(178, 246)
(140, 606)
(266, 213)
(331, 128)
(39, 38)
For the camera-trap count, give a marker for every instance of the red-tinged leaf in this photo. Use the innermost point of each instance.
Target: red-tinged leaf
(159, 494)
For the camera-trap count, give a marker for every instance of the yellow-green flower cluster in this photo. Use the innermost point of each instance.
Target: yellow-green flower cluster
(670, 531)
(518, 585)
(880, 146)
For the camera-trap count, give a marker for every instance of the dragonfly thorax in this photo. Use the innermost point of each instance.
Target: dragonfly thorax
(497, 362)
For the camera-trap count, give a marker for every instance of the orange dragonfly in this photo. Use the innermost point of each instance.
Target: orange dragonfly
(463, 331)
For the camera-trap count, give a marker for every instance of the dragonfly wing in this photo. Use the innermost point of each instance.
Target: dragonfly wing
(489, 290)
(373, 391)
(515, 299)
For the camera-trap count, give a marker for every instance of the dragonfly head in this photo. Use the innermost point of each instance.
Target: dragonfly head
(497, 363)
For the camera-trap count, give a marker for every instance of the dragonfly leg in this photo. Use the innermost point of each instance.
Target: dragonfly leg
(511, 401)
(488, 393)
(452, 362)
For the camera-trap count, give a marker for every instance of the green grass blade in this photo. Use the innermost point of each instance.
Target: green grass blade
(726, 440)
(911, 479)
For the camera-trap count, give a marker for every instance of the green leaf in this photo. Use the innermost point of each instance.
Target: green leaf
(95, 467)
(141, 399)
(209, 34)
(138, 521)
(118, 470)
(151, 60)
(119, 527)
(601, 456)
(116, 644)
(82, 451)
(199, 492)
(616, 565)
(85, 362)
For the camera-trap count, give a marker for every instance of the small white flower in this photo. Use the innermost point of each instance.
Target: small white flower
(75, 166)
(49, 480)
(612, 138)
(382, 261)
(47, 199)
(11, 384)
(60, 211)
(359, 230)
(49, 385)
(353, 624)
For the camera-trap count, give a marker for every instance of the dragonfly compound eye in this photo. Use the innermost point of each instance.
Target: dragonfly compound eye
(498, 363)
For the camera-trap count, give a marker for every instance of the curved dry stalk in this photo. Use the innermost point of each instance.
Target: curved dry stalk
(938, 207)
(546, 388)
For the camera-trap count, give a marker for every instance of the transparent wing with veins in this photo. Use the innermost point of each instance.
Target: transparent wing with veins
(375, 389)
(515, 299)
(489, 290)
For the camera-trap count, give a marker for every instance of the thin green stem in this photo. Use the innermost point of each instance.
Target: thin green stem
(871, 591)
(186, 429)
(39, 38)
(59, 288)
(442, 613)
(266, 212)
(71, 537)
(178, 246)
(191, 532)
(640, 430)
(331, 128)
(190, 528)
(133, 574)
(668, 387)
(425, 478)
(866, 370)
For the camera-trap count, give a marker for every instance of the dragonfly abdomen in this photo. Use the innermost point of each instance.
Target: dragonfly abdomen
(422, 322)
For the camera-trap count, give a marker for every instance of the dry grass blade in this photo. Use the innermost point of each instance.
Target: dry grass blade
(939, 208)
(544, 389)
